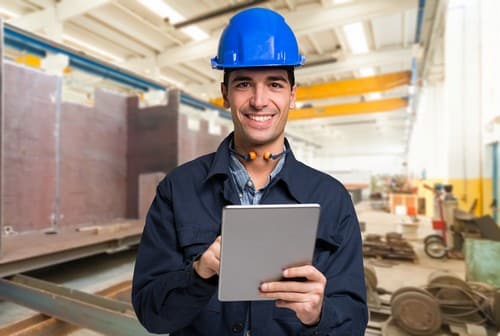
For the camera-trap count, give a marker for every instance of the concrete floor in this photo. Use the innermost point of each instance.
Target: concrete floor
(93, 274)
(394, 274)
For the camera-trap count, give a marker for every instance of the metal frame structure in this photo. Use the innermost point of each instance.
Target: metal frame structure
(36, 262)
(104, 315)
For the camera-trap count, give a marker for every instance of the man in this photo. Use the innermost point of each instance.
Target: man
(176, 272)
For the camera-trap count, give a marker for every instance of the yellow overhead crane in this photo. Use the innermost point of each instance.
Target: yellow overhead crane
(382, 105)
(348, 87)
(353, 87)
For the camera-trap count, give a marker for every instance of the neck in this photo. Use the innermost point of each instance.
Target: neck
(275, 148)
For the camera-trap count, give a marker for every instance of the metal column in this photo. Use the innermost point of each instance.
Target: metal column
(495, 158)
(2, 127)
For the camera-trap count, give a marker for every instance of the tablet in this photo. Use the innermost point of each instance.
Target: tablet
(259, 241)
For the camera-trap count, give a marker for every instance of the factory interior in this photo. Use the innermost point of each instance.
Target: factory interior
(101, 99)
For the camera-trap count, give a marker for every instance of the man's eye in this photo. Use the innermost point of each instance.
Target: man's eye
(243, 85)
(276, 85)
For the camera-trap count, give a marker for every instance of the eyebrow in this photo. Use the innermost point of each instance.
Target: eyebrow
(274, 78)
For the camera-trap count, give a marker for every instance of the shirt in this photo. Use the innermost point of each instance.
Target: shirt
(246, 190)
(249, 196)
(185, 218)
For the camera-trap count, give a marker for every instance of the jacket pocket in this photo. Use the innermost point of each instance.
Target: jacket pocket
(195, 241)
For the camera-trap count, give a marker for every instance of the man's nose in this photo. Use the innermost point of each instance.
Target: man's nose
(259, 99)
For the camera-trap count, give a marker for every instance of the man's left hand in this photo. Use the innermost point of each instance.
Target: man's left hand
(305, 298)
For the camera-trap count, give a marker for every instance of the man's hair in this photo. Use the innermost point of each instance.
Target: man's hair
(289, 70)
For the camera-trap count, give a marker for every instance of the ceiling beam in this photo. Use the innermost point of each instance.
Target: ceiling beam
(70, 8)
(315, 44)
(131, 25)
(112, 35)
(59, 12)
(317, 21)
(348, 109)
(43, 3)
(354, 62)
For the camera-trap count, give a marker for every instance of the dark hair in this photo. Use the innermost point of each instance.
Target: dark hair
(289, 70)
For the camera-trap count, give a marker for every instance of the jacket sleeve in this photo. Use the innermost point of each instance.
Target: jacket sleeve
(167, 294)
(339, 256)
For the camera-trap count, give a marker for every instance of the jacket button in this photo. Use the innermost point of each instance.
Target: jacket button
(237, 327)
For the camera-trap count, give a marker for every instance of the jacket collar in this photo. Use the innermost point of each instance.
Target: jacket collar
(220, 164)
(291, 173)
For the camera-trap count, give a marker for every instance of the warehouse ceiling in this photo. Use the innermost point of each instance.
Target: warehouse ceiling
(344, 42)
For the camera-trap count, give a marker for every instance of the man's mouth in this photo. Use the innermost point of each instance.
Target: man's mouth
(259, 118)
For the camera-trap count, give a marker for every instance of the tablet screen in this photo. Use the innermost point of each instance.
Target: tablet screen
(259, 241)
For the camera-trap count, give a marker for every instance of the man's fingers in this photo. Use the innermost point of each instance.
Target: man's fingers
(209, 263)
(290, 286)
(308, 271)
(216, 247)
(287, 296)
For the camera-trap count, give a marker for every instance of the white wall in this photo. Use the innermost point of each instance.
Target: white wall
(447, 139)
(490, 69)
(376, 164)
(428, 140)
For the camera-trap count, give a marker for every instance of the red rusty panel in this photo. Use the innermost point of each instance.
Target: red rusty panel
(29, 157)
(152, 143)
(93, 160)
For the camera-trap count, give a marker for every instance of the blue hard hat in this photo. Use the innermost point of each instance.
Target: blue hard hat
(257, 37)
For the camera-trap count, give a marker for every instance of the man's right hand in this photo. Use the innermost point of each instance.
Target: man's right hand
(208, 264)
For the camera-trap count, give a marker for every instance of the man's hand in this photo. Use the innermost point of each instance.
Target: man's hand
(209, 262)
(303, 297)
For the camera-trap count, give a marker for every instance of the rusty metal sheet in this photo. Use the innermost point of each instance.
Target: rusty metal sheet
(93, 160)
(29, 149)
(151, 143)
(194, 143)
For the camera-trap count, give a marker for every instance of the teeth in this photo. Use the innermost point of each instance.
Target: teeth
(259, 118)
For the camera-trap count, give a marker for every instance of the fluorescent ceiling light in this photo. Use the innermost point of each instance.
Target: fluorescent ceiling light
(355, 34)
(374, 96)
(8, 13)
(367, 72)
(195, 33)
(93, 48)
(163, 10)
(411, 90)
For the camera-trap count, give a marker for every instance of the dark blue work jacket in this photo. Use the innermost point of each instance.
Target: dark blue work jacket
(185, 218)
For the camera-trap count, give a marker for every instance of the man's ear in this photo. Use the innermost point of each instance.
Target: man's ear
(293, 96)
(223, 90)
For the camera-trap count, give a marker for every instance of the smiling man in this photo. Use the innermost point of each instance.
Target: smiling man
(177, 267)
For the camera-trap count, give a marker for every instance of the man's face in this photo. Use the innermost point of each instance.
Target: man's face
(259, 100)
